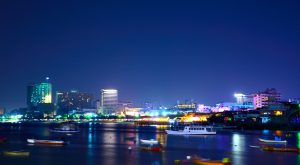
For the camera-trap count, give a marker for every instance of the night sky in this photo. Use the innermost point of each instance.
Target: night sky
(160, 51)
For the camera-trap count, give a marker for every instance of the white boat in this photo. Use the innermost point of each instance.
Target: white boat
(272, 141)
(49, 142)
(192, 130)
(151, 141)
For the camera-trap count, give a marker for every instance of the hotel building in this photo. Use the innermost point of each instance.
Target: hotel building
(109, 101)
(266, 98)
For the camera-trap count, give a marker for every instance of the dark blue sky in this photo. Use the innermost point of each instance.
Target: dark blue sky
(160, 51)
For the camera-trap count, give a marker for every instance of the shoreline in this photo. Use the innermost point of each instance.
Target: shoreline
(239, 126)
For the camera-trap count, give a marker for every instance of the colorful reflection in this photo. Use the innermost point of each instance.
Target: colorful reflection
(278, 133)
(161, 138)
(90, 138)
(129, 138)
(265, 132)
(109, 140)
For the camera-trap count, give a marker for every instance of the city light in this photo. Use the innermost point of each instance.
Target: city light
(16, 116)
(110, 91)
(90, 115)
(278, 113)
(150, 82)
(298, 139)
(239, 95)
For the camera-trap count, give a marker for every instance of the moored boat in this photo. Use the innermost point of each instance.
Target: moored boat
(48, 142)
(280, 149)
(151, 141)
(16, 153)
(272, 141)
(191, 130)
(199, 161)
(66, 128)
(151, 148)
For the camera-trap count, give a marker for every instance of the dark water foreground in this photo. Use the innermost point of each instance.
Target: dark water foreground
(107, 144)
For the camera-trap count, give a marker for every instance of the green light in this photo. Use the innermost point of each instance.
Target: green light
(298, 138)
(65, 116)
(75, 116)
(299, 106)
(89, 115)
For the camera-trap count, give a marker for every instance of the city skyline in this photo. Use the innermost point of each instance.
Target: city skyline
(238, 96)
(149, 82)
(150, 51)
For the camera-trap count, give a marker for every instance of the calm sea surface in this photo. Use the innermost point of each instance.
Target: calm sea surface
(107, 144)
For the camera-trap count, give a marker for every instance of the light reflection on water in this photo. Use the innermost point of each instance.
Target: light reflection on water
(109, 146)
(90, 149)
(90, 138)
(238, 146)
(161, 138)
(109, 140)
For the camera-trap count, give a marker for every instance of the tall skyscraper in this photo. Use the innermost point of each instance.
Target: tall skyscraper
(109, 100)
(73, 100)
(39, 98)
(39, 93)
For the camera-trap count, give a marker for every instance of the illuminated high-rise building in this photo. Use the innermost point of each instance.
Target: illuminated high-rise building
(188, 106)
(240, 98)
(244, 100)
(109, 101)
(266, 98)
(39, 93)
(39, 99)
(73, 101)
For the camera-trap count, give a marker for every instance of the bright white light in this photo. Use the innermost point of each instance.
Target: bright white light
(171, 121)
(48, 98)
(239, 95)
(110, 91)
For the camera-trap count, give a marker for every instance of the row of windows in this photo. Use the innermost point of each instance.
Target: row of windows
(196, 128)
